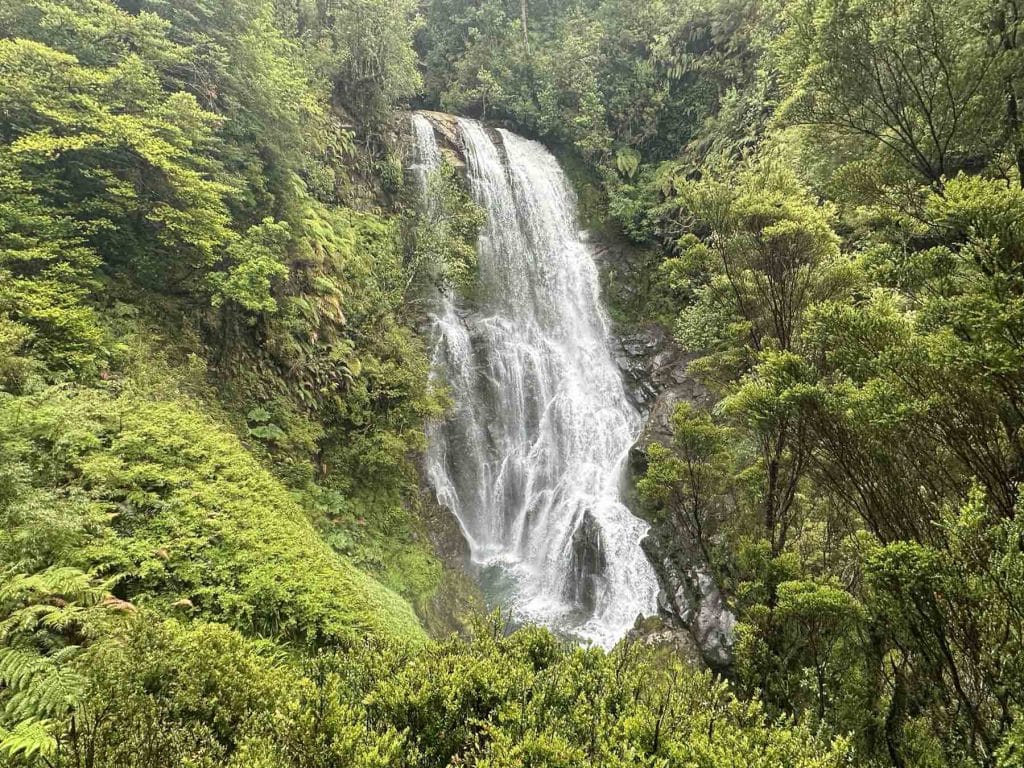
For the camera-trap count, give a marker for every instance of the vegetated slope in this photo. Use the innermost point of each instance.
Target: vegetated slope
(161, 495)
(150, 192)
(207, 375)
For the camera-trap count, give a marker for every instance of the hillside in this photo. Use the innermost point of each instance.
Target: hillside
(260, 341)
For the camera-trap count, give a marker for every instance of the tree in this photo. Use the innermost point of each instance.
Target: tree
(817, 628)
(757, 254)
(755, 247)
(690, 479)
(916, 79)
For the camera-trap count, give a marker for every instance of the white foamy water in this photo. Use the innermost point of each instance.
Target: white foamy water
(531, 458)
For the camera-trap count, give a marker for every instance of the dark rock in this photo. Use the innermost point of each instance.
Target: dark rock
(587, 565)
(655, 370)
(690, 597)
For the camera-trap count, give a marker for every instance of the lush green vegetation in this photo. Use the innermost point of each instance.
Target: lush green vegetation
(212, 396)
(831, 194)
(211, 391)
(168, 693)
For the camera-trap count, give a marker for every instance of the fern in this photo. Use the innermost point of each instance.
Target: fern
(45, 616)
(71, 585)
(627, 161)
(18, 667)
(52, 604)
(28, 739)
(39, 692)
(39, 686)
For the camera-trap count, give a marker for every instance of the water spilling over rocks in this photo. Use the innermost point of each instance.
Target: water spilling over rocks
(531, 459)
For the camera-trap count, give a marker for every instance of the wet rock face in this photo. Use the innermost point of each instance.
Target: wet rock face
(713, 625)
(447, 133)
(691, 596)
(655, 369)
(648, 363)
(587, 564)
(458, 596)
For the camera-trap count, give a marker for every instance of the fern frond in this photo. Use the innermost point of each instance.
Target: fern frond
(39, 686)
(28, 739)
(18, 667)
(51, 695)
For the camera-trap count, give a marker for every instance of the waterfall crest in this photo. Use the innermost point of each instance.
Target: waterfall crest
(531, 458)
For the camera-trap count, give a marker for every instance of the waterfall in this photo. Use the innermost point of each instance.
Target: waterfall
(426, 155)
(531, 458)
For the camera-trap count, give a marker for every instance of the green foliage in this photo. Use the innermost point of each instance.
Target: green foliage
(443, 234)
(757, 249)
(211, 395)
(689, 481)
(809, 648)
(167, 693)
(193, 522)
(619, 81)
(75, 127)
(46, 272)
(201, 694)
(867, 355)
(173, 242)
(256, 262)
(874, 403)
(526, 699)
(914, 80)
(363, 48)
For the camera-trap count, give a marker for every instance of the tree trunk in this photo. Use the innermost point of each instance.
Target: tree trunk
(523, 17)
(1006, 26)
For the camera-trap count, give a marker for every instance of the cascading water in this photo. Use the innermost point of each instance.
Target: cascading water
(531, 458)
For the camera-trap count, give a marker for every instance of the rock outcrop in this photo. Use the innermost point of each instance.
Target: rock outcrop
(665, 635)
(587, 563)
(691, 599)
(655, 369)
(447, 133)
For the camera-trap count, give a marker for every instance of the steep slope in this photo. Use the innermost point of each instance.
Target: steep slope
(161, 495)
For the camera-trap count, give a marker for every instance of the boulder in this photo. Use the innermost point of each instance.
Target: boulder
(587, 564)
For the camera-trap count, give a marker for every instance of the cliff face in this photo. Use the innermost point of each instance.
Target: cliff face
(694, 620)
(655, 369)
(447, 134)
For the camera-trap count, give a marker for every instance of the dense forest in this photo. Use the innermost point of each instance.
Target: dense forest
(217, 548)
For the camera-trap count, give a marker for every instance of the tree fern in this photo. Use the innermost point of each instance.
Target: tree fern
(58, 601)
(39, 686)
(28, 739)
(44, 619)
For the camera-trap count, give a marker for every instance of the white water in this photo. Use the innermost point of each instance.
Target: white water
(531, 458)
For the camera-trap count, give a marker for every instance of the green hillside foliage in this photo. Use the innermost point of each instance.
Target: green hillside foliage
(167, 693)
(203, 336)
(828, 197)
(215, 551)
(185, 518)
